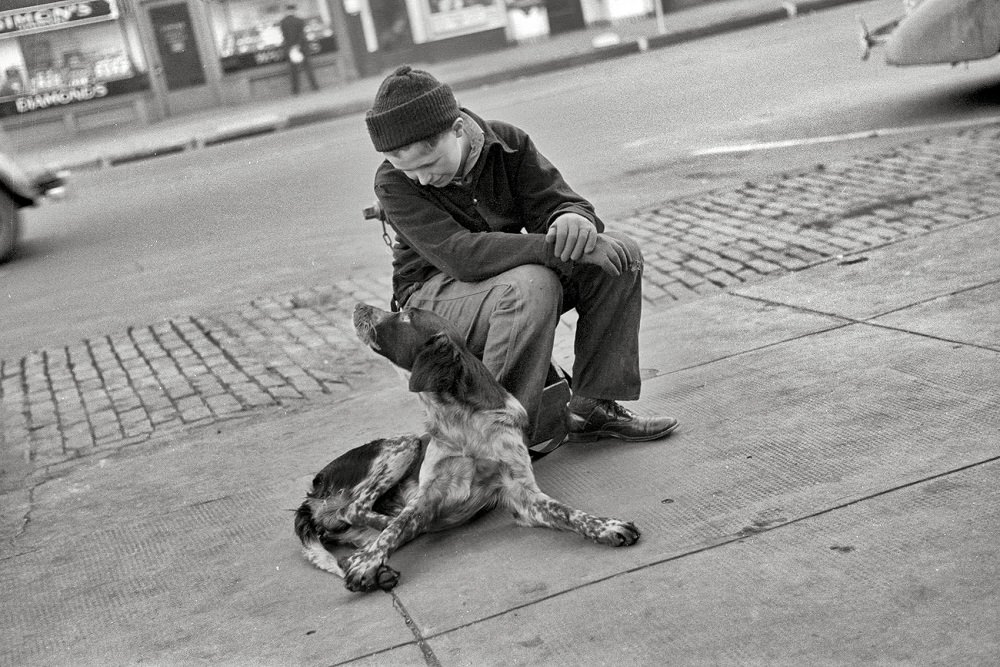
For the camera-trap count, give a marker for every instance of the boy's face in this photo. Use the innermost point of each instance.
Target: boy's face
(435, 165)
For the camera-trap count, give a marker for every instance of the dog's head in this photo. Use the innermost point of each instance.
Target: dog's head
(429, 347)
(401, 337)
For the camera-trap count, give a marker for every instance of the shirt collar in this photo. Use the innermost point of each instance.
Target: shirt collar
(477, 139)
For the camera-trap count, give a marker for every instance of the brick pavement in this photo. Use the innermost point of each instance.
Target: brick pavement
(101, 395)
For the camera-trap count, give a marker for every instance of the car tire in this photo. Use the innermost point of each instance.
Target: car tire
(10, 226)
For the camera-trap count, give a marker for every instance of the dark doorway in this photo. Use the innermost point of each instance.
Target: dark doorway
(392, 24)
(564, 15)
(177, 47)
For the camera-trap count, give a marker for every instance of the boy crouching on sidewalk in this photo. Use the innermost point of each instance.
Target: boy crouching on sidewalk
(459, 190)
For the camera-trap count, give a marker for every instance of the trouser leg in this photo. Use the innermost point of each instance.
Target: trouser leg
(509, 321)
(293, 72)
(606, 349)
(310, 74)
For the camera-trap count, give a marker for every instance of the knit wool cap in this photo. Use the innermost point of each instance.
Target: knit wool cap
(410, 105)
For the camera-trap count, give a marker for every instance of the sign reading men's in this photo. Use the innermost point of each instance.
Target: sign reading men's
(50, 15)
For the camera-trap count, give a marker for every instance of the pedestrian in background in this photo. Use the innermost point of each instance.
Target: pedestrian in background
(293, 35)
(459, 191)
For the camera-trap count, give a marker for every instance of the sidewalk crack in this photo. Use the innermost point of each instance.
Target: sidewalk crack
(25, 520)
(422, 644)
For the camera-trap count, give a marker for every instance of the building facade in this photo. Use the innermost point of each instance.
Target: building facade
(74, 65)
(70, 66)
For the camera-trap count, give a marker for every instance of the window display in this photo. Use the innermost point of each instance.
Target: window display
(247, 33)
(447, 18)
(391, 25)
(60, 53)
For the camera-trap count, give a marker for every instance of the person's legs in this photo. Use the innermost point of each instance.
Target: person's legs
(606, 349)
(509, 321)
(310, 74)
(293, 72)
(606, 367)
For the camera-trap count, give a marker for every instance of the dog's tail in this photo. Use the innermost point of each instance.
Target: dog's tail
(312, 545)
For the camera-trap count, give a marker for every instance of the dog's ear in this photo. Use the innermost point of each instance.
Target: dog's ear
(437, 365)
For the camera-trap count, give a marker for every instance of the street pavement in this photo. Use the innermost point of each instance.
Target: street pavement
(114, 145)
(828, 339)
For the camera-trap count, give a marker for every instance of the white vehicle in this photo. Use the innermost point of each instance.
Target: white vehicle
(937, 31)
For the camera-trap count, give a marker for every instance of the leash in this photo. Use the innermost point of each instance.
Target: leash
(375, 212)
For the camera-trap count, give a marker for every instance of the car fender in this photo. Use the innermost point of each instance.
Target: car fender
(946, 31)
(16, 183)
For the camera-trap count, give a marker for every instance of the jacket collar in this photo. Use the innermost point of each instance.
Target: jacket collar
(482, 140)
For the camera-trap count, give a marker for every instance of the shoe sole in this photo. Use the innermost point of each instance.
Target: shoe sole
(611, 435)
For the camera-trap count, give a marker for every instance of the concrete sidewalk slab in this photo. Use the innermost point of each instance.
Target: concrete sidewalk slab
(770, 437)
(876, 282)
(717, 327)
(183, 552)
(909, 577)
(969, 315)
(821, 470)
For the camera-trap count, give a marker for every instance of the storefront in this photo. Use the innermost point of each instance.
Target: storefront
(384, 33)
(72, 64)
(75, 65)
(69, 66)
(248, 44)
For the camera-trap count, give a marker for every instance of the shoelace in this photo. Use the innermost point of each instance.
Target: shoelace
(619, 411)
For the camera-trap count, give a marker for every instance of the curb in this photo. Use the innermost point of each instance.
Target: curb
(272, 123)
(253, 128)
(731, 25)
(552, 65)
(322, 115)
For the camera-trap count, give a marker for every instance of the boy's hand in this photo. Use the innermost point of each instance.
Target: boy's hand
(609, 254)
(573, 235)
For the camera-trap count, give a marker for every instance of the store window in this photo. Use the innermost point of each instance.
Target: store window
(448, 18)
(57, 53)
(391, 25)
(247, 33)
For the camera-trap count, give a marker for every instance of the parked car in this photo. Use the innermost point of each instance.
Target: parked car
(937, 31)
(19, 189)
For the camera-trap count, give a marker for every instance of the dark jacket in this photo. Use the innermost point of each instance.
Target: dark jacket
(473, 230)
(293, 32)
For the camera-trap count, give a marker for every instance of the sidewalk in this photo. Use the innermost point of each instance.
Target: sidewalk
(192, 131)
(831, 498)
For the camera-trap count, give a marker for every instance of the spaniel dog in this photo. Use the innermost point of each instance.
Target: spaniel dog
(474, 457)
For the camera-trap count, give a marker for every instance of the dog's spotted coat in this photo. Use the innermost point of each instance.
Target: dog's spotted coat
(474, 457)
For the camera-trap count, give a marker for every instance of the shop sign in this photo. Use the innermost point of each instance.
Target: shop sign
(62, 97)
(55, 15)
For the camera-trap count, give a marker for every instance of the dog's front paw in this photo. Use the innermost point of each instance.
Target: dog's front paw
(617, 533)
(386, 578)
(365, 572)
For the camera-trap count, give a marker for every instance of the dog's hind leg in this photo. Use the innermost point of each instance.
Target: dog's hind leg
(346, 492)
(340, 507)
(398, 460)
(543, 510)
(531, 507)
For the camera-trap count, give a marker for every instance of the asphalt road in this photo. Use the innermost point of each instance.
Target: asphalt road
(211, 229)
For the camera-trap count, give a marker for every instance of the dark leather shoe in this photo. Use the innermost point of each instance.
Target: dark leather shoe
(609, 420)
